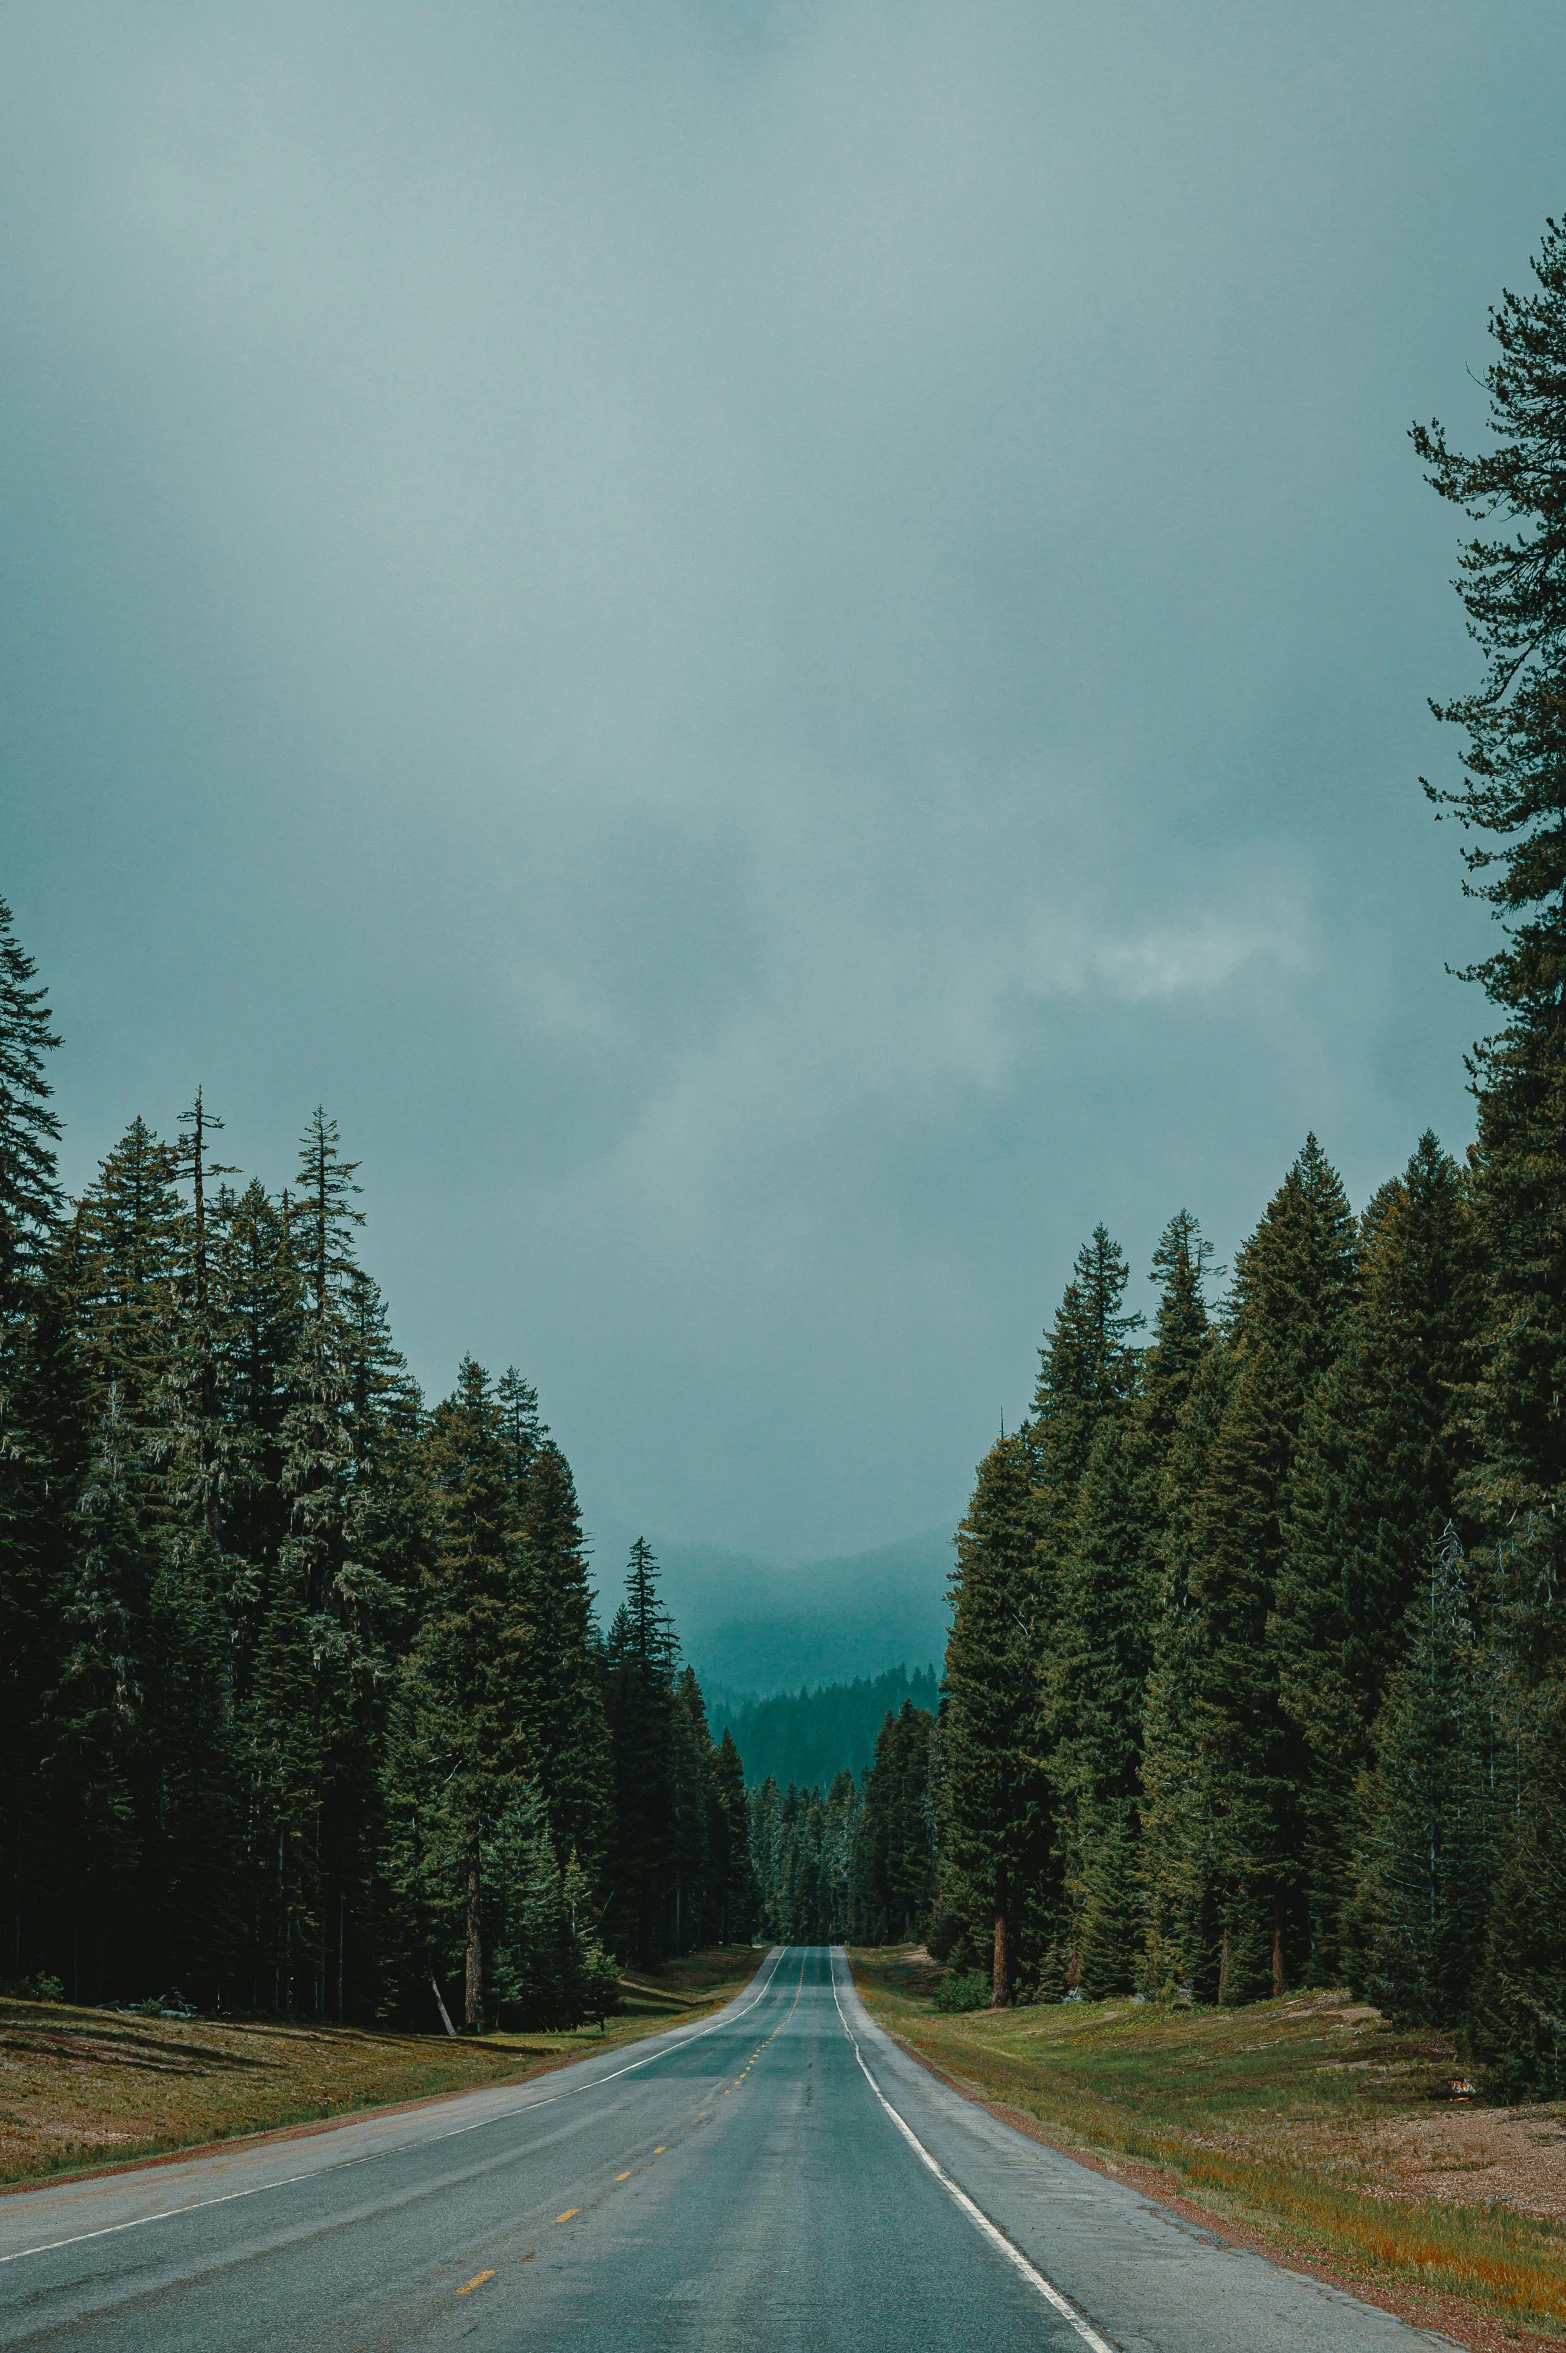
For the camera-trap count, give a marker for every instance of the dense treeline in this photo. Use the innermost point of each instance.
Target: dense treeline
(809, 1736)
(304, 1707)
(856, 1860)
(1257, 1674)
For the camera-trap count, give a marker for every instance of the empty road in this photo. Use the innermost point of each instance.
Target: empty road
(783, 2177)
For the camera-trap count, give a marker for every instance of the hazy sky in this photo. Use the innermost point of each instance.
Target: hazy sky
(781, 649)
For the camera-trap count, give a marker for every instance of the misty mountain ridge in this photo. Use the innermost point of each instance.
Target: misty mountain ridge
(809, 1737)
(753, 1627)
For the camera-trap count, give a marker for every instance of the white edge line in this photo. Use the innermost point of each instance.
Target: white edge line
(426, 2141)
(992, 2231)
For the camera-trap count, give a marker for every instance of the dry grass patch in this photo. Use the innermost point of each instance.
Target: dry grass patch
(81, 2089)
(1343, 2140)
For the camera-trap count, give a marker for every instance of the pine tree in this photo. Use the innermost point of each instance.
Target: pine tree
(691, 1825)
(733, 1870)
(1516, 2004)
(565, 1698)
(1513, 586)
(1293, 1285)
(996, 1804)
(1182, 1340)
(1512, 799)
(93, 1725)
(1383, 1452)
(640, 1659)
(1428, 1810)
(1096, 1678)
(1181, 1867)
(1087, 1373)
(129, 1245)
(39, 1431)
(461, 1754)
(894, 1850)
(29, 1130)
(131, 1250)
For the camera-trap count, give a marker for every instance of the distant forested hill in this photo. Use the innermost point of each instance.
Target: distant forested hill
(809, 1736)
(751, 1625)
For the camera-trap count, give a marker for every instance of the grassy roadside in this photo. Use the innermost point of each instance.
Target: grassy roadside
(1338, 2143)
(84, 2089)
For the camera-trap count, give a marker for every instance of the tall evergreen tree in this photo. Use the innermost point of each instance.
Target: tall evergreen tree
(640, 1660)
(37, 1429)
(1087, 1372)
(997, 1818)
(1512, 800)
(128, 1251)
(565, 1700)
(1095, 1682)
(461, 1753)
(1383, 1452)
(1428, 1813)
(1516, 2007)
(1294, 1282)
(29, 1130)
(1513, 797)
(894, 1848)
(1182, 1864)
(734, 1870)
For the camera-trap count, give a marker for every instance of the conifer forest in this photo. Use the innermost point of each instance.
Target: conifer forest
(1257, 1674)
(304, 1704)
(1257, 1669)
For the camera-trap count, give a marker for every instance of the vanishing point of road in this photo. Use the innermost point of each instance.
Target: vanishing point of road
(781, 2179)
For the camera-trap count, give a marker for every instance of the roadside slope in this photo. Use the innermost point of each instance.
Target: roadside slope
(83, 2090)
(1307, 2127)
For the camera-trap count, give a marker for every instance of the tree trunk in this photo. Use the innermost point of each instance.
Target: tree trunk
(1278, 1986)
(440, 2004)
(1000, 1984)
(473, 1990)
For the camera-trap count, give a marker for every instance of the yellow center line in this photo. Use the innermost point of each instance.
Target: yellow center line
(477, 2281)
(566, 2216)
(662, 2145)
(623, 2176)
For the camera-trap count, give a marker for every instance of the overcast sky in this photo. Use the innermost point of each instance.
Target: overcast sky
(782, 649)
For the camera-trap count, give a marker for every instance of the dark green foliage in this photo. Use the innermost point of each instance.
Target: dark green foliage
(29, 1130)
(808, 1736)
(639, 1699)
(546, 1966)
(302, 1705)
(963, 1990)
(1429, 1809)
(1181, 1874)
(1513, 585)
(1518, 2006)
(1383, 1452)
(1512, 798)
(734, 1890)
(462, 1749)
(893, 1878)
(674, 1874)
(1087, 1371)
(565, 1681)
(802, 1845)
(1095, 1681)
(1293, 1285)
(996, 1815)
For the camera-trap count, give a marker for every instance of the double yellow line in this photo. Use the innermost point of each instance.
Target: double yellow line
(571, 2212)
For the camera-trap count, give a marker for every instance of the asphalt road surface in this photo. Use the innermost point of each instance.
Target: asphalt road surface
(782, 2179)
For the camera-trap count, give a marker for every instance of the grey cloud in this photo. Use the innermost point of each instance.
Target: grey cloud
(783, 649)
